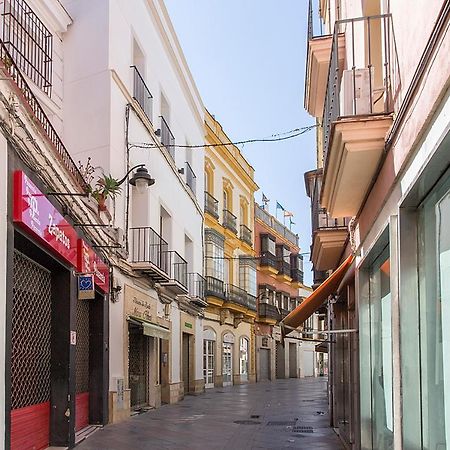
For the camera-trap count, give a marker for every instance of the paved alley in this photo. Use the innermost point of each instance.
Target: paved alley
(283, 414)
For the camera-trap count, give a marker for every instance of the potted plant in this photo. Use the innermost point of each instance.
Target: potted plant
(106, 186)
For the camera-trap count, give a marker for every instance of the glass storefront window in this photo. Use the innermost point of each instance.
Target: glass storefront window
(377, 420)
(243, 357)
(434, 317)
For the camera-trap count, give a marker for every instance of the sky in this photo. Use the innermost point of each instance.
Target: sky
(247, 58)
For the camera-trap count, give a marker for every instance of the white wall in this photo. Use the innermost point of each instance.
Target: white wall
(3, 256)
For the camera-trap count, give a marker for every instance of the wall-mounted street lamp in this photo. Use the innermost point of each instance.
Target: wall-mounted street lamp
(141, 179)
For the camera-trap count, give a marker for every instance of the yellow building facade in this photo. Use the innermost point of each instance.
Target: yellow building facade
(230, 265)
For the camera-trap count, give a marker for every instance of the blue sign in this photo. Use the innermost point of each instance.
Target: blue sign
(86, 287)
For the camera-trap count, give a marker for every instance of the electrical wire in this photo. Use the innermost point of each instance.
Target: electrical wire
(281, 137)
(245, 257)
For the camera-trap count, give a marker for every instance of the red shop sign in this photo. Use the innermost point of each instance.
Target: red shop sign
(34, 213)
(90, 262)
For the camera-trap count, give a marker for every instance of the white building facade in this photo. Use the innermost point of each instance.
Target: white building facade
(127, 85)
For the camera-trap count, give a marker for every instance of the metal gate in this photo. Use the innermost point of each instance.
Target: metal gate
(138, 367)
(30, 354)
(82, 365)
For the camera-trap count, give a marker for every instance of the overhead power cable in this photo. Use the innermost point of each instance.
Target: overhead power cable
(277, 137)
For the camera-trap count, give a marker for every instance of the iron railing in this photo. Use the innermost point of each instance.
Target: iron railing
(297, 275)
(268, 311)
(268, 260)
(273, 223)
(229, 221)
(251, 302)
(25, 93)
(167, 138)
(191, 179)
(211, 205)
(177, 267)
(142, 94)
(148, 246)
(246, 234)
(196, 285)
(283, 267)
(29, 42)
(215, 287)
(363, 87)
(236, 295)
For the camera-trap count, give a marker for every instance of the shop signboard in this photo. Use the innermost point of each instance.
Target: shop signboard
(33, 212)
(86, 287)
(90, 262)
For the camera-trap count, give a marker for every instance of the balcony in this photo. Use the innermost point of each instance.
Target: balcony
(238, 299)
(268, 264)
(191, 179)
(268, 313)
(246, 235)
(358, 112)
(167, 138)
(284, 270)
(11, 72)
(141, 93)
(229, 221)
(297, 275)
(177, 271)
(149, 254)
(211, 205)
(273, 223)
(317, 65)
(196, 289)
(215, 291)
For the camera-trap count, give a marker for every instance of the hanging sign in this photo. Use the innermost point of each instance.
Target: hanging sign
(90, 262)
(35, 214)
(86, 287)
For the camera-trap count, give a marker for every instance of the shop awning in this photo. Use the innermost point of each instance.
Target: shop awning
(311, 304)
(151, 329)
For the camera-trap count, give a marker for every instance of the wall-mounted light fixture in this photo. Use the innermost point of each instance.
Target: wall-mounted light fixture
(141, 179)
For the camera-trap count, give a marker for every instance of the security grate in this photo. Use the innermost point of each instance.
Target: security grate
(138, 367)
(31, 333)
(82, 347)
(28, 41)
(281, 423)
(303, 429)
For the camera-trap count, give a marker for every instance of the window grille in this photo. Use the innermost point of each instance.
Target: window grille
(29, 42)
(31, 333)
(82, 347)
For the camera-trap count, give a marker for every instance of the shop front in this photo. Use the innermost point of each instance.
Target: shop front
(148, 338)
(58, 358)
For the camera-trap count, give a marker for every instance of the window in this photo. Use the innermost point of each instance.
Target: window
(214, 254)
(247, 274)
(29, 42)
(268, 244)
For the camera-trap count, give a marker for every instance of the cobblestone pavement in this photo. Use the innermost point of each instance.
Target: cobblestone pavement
(269, 415)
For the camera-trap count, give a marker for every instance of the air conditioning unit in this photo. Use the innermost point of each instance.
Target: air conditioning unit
(355, 97)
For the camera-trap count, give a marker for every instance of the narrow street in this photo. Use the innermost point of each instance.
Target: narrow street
(283, 414)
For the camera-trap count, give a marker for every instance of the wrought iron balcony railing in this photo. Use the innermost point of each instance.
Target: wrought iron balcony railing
(142, 94)
(364, 86)
(167, 138)
(268, 260)
(215, 287)
(284, 268)
(211, 205)
(246, 235)
(229, 221)
(191, 179)
(251, 302)
(297, 275)
(196, 285)
(272, 222)
(177, 267)
(236, 295)
(147, 246)
(268, 311)
(25, 94)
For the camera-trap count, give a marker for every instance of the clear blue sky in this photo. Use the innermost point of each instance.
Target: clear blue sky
(248, 60)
